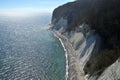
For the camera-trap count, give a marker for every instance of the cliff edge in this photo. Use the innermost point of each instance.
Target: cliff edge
(92, 27)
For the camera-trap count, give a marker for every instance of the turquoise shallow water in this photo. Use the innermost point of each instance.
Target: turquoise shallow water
(28, 51)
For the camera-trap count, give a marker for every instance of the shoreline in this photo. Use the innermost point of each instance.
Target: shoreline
(73, 71)
(66, 55)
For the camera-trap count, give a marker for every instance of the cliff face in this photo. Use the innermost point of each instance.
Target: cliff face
(93, 29)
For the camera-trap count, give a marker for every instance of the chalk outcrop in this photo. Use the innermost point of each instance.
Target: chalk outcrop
(92, 28)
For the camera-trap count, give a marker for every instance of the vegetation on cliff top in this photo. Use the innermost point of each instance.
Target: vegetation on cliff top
(102, 16)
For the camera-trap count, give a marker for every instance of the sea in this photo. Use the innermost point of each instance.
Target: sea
(29, 50)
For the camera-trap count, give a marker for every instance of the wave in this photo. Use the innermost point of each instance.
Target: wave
(66, 55)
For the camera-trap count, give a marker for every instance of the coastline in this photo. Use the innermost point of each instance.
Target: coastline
(66, 56)
(73, 71)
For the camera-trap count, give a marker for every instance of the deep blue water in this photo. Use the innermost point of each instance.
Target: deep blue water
(28, 51)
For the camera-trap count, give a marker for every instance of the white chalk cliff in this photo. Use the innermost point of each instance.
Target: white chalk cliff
(73, 21)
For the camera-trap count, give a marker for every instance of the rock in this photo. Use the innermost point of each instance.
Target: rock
(93, 29)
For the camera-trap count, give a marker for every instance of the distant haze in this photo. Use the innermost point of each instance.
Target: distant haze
(23, 7)
(24, 12)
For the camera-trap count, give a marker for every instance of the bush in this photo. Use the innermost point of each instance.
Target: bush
(101, 61)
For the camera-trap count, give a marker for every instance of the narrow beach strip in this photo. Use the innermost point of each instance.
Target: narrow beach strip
(66, 55)
(73, 71)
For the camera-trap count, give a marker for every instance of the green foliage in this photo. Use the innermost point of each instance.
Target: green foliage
(101, 61)
(102, 16)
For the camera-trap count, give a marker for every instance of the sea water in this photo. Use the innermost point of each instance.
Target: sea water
(29, 51)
